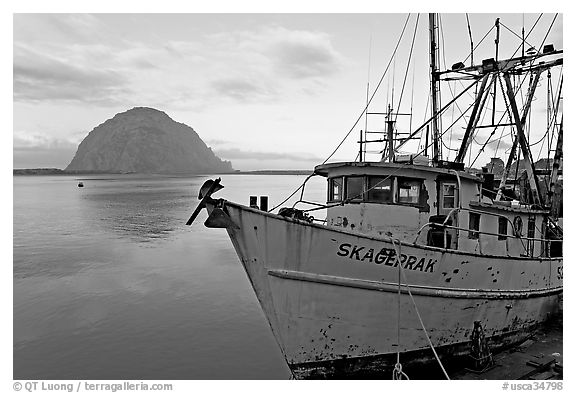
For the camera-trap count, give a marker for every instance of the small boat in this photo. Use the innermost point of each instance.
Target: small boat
(80, 184)
(419, 261)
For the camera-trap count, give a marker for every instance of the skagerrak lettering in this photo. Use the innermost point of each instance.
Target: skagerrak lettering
(386, 256)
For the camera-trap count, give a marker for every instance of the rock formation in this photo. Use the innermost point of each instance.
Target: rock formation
(145, 140)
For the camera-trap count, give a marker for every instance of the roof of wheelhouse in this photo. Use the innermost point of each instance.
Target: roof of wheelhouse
(398, 168)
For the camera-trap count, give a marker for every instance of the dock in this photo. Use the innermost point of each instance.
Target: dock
(538, 358)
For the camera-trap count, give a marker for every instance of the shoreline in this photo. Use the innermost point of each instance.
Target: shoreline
(62, 172)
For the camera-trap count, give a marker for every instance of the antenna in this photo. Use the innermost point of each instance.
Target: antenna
(367, 99)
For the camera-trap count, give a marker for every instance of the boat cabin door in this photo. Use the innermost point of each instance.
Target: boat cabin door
(448, 200)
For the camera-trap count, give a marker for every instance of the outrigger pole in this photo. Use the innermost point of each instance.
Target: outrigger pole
(521, 137)
(553, 199)
(519, 126)
(479, 104)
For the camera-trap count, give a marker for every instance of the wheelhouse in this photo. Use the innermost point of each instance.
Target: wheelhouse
(434, 206)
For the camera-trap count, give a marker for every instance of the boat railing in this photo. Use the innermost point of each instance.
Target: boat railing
(515, 235)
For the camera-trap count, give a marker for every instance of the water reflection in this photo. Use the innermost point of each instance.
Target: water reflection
(141, 210)
(110, 284)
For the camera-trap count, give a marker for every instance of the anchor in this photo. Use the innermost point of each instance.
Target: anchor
(218, 218)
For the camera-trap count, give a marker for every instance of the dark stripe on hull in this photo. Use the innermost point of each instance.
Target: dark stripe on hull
(420, 364)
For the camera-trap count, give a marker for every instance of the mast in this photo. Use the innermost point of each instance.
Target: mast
(497, 42)
(435, 91)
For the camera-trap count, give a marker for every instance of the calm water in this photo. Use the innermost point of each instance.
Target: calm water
(110, 284)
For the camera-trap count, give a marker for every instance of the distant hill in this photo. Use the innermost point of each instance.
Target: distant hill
(145, 140)
(38, 171)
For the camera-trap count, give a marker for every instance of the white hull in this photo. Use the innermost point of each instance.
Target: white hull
(330, 295)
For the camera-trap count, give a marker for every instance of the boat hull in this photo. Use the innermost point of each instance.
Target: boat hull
(333, 301)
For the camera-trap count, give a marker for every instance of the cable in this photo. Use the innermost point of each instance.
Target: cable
(373, 94)
(408, 66)
(511, 31)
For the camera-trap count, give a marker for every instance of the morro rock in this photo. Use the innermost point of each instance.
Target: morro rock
(145, 140)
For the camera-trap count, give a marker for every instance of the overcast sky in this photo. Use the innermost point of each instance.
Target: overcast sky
(266, 91)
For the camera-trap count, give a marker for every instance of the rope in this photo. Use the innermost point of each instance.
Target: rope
(415, 306)
(291, 195)
(373, 93)
(476, 46)
(397, 373)
(511, 31)
(407, 66)
(359, 117)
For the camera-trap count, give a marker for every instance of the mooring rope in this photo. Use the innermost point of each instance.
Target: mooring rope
(397, 248)
(397, 373)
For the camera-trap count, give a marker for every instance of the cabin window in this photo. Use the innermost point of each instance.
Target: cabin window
(335, 189)
(502, 228)
(474, 226)
(380, 189)
(355, 188)
(409, 191)
(449, 196)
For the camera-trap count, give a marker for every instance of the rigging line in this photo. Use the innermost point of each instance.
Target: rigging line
(425, 114)
(445, 131)
(548, 32)
(408, 67)
(550, 126)
(488, 140)
(501, 118)
(412, 95)
(367, 96)
(444, 58)
(393, 81)
(373, 93)
(520, 46)
(541, 45)
(555, 109)
(452, 125)
(512, 31)
(294, 193)
(501, 136)
(483, 38)
(451, 129)
(438, 114)
(509, 116)
(499, 140)
(516, 92)
(484, 113)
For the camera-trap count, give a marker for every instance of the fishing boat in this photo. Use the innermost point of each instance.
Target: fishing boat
(419, 261)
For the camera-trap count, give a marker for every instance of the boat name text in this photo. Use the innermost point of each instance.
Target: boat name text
(386, 256)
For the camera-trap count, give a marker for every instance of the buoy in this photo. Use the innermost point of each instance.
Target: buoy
(80, 184)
